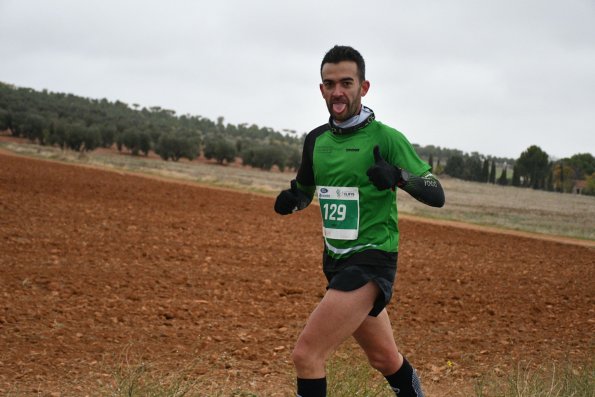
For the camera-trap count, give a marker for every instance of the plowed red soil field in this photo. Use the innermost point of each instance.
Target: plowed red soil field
(101, 270)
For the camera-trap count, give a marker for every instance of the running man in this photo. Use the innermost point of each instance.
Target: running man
(354, 164)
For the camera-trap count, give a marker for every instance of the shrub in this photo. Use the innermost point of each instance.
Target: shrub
(175, 146)
(220, 149)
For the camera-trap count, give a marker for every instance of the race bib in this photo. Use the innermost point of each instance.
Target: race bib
(340, 211)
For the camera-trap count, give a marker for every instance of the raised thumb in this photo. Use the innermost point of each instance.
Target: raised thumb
(377, 156)
(294, 188)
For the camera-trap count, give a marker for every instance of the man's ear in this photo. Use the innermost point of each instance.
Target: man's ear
(365, 87)
(321, 86)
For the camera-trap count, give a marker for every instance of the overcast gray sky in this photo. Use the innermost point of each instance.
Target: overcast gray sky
(488, 76)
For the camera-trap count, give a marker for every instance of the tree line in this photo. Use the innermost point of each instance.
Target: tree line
(83, 124)
(533, 169)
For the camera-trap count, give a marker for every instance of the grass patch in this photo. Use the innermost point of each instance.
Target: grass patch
(144, 380)
(350, 375)
(141, 380)
(564, 380)
(347, 376)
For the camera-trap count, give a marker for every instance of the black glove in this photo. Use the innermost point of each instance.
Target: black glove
(384, 175)
(291, 200)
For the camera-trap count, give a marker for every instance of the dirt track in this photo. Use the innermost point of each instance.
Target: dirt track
(100, 269)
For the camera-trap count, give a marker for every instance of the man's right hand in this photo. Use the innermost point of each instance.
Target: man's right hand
(291, 200)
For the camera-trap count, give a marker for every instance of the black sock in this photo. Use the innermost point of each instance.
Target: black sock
(311, 387)
(405, 382)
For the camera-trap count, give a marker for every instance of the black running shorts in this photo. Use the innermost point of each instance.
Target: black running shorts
(352, 277)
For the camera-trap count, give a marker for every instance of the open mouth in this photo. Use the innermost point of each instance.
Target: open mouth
(339, 107)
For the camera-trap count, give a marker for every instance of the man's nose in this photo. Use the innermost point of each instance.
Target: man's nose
(337, 91)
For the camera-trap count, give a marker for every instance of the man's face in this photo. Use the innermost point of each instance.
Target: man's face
(342, 90)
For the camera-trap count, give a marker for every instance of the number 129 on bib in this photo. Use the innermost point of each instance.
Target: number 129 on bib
(339, 207)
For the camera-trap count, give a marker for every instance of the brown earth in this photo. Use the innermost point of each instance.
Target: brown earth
(101, 271)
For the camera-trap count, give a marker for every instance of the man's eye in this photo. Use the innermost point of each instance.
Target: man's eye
(347, 84)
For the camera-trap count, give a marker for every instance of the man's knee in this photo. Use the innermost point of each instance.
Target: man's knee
(299, 357)
(385, 361)
(305, 359)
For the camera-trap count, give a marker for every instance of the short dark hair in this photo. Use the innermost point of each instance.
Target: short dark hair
(341, 53)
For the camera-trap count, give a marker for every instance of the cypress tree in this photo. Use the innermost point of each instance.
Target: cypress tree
(516, 179)
(492, 178)
(561, 176)
(549, 184)
(503, 180)
(485, 171)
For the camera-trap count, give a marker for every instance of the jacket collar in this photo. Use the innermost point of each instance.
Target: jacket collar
(344, 131)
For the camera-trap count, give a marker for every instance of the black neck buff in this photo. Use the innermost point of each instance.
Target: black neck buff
(357, 122)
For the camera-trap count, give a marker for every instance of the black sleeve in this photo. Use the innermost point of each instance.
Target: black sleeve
(305, 175)
(425, 189)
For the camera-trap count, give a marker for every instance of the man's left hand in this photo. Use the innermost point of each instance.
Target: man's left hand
(382, 174)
